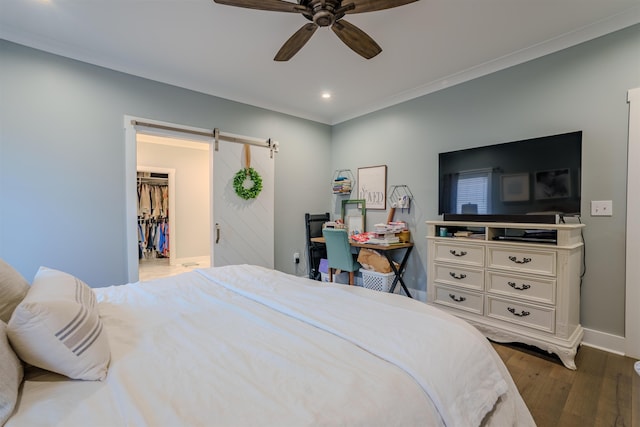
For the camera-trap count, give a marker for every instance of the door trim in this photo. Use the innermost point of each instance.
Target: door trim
(632, 297)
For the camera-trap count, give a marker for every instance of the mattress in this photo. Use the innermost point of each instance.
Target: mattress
(248, 346)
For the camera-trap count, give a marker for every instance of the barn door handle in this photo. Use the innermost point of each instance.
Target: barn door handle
(217, 233)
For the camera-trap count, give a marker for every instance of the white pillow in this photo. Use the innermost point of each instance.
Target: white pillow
(13, 288)
(11, 375)
(57, 327)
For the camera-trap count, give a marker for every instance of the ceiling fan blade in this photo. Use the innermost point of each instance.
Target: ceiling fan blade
(295, 42)
(272, 5)
(356, 39)
(373, 5)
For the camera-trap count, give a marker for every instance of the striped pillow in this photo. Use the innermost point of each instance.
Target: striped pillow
(57, 327)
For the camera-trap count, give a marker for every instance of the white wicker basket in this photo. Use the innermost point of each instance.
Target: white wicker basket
(377, 281)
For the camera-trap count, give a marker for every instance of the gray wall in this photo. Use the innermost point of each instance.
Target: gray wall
(581, 88)
(62, 161)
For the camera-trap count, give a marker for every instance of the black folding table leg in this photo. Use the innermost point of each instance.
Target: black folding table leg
(398, 272)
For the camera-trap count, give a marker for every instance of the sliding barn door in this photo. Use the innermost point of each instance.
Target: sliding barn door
(243, 229)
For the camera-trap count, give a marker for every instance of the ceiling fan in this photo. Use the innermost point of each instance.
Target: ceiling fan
(323, 13)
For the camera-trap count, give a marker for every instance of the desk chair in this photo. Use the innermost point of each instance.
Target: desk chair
(315, 251)
(339, 254)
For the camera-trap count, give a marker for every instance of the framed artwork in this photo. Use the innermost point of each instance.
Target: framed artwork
(514, 187)
(372, 186)
(553, 184)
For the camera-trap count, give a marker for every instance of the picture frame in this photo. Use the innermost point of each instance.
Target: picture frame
(553, 184)
(354, 214)
(514, 187)
(372, 186)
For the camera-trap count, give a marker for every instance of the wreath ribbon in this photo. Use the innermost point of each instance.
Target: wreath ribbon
(247, 173)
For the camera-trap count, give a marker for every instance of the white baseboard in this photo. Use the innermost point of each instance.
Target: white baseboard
(604, 341)
(203, 261)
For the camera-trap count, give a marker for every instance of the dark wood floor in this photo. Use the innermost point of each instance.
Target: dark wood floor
(603, 391)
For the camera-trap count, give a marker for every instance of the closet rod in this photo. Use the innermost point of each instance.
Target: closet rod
(215, 134)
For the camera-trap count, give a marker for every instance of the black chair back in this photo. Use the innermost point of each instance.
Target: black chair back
(315, 251)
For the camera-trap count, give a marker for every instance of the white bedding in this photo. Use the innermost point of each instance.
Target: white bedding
(247, 346)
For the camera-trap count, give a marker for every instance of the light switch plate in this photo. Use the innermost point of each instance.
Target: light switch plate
(601, 208)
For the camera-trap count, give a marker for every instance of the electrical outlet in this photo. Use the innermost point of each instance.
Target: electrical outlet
(296, 257)
(601, 208)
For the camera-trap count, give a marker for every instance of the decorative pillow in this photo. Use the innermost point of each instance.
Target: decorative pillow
(13, 288)
(57, 327)
(11, 374)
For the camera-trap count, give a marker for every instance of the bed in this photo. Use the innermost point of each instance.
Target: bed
(248, 346)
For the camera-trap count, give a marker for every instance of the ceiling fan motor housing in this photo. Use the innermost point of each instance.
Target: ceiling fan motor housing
(321, 12)
(323, 18)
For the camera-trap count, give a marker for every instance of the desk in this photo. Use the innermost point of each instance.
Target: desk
(387, 251)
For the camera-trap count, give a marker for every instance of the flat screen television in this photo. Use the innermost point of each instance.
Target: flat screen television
(533, 180)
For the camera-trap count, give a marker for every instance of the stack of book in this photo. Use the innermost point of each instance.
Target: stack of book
(341, 185)
(384, 234)
(384, 239)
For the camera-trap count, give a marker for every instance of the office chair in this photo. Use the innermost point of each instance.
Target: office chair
(339, 254)
(315, 251)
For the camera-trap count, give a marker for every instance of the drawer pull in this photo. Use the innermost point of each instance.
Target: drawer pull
(524, 286)
(457, 276)
(454, 253)
(521, 314)
(457, 299)
(523, 261)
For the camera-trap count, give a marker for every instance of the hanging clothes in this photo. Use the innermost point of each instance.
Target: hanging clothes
(144, 200)
(153, 211)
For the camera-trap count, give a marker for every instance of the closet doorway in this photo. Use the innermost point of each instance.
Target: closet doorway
(173, 183)
(244, 229)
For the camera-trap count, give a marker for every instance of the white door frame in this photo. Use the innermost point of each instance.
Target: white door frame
(131, 196)
(632, 300)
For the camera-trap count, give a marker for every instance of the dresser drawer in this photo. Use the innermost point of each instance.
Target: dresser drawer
(532, 316)
(460, 299)
(459, 253)
(466, 277)
(522, 260)
(530, 288)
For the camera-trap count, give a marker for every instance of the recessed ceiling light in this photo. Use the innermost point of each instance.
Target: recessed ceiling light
(326, 95)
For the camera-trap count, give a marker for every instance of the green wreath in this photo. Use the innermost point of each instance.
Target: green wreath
(239, 180)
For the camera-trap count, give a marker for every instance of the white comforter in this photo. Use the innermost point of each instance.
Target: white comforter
(247, 346)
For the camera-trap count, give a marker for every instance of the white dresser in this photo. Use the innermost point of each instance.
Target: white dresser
(512, 290)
